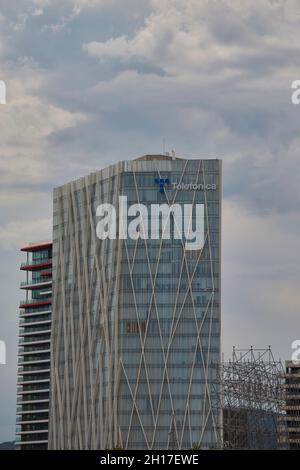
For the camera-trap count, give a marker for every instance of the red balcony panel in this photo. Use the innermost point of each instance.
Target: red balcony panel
(37, 246)
(46, 274)
(35, 304)
(35, 267)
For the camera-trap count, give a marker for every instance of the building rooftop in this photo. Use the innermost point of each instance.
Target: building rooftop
(152, 158)
(36, 246)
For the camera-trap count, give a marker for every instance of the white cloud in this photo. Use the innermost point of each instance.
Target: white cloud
(183, 36)
(38, 12)
(261, 273)
(25, 198)
(41, 3)
(27, 122)
(17, 233)
(214, 76)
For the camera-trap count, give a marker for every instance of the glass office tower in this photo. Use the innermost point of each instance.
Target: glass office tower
(34, 348)
(136, 322)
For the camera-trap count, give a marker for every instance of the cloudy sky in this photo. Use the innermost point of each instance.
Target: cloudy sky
(91, 82)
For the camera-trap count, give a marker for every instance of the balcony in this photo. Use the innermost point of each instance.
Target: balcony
(37, 246)
(34, 312)
(34, 265)
(26, 443)
(32, 370)
(35, 431)
(38, 352)
(45, 293)
(46, 274)
(35, 329)
(31, 380)
(35, 284)
(34, 342)
(35, 303)
(21, 411)
(34, 421)
(21, 401)
(25, 361)
(33, 389)
(32, 322)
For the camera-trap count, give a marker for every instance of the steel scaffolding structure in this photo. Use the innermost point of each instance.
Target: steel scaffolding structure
(252, 400)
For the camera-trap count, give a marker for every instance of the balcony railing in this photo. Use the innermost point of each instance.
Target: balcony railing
(34, 419)
(39, 353)
(36, 329)
(34, 265)
(35, 341)
(29, 321)
(30, 379)
(32, 409)
(40, 388)
(22, 401)
(32, 441)
(35, 282)
(33, 431)
(33, 312)
(32, 360)
(41, 369)
(39, 397)
(35, 302)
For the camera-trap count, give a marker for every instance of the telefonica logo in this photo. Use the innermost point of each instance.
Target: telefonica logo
(162, 182)
(136, 222)
(2, 92)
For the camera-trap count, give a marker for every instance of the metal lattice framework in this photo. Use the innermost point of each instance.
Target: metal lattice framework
(252, 400)
(90, 373)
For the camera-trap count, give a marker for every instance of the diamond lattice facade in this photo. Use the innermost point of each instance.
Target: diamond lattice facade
(136, 323)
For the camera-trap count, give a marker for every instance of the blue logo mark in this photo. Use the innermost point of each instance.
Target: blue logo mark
(162, 182)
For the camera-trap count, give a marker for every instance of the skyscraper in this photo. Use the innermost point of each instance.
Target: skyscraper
(34, 348)
(136, 311)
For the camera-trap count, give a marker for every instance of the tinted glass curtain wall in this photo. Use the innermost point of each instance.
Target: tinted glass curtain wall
(136, 323)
